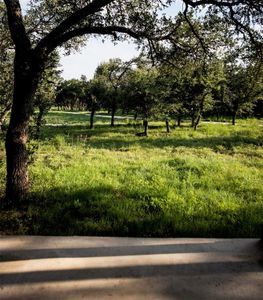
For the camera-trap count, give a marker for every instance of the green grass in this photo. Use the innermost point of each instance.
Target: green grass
(107, 181)
(77, 118)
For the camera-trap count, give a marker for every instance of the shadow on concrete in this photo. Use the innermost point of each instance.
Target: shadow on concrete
(113, 251)
(237, 274)
(190, 269)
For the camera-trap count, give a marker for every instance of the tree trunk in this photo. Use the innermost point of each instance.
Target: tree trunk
(167, 123)
(199, 113)
(4, 115)
(197, 121)
(92, 117)
(146, 126)
(26, 79)
(113, 112)
(234, 116)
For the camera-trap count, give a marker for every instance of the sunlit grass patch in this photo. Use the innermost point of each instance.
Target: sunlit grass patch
(108, 181)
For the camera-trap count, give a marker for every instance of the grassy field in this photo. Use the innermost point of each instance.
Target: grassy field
(107, 181)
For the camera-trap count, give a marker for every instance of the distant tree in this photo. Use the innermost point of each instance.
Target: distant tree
(242, 88)
(142, 93)
(189, 74)
(96, 93)
(71, 94)
(112, 74)
(188, 90)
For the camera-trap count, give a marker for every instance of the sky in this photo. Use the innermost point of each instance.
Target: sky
(95, 52)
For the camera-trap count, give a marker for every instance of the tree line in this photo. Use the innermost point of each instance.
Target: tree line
(219, 88)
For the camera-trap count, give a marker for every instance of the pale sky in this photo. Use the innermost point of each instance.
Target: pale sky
(86, 61)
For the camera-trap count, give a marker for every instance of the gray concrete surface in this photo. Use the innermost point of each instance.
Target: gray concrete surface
(122, 268)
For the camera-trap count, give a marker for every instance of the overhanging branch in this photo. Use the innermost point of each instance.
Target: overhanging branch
(107, 30)
(71, 21)
(196, 34)
(213, 2)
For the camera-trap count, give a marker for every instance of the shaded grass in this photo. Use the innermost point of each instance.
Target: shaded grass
(110, 182)
(77, 118)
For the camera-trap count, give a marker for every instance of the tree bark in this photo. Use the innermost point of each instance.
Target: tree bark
(146, 126)
(167, 123)
(113, 112)
(197, 121)
(92, 118)
(26, 79)
(234, 116)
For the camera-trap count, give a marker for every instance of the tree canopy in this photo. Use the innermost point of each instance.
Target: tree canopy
(50, 23)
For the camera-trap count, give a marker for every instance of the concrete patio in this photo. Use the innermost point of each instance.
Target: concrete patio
(130, 268)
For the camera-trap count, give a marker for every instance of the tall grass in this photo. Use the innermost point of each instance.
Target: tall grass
(110, 182)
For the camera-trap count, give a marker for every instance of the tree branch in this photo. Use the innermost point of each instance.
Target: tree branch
(196, 34)
(72, 20)
(246, 29)
(107, 30)
(213, 2)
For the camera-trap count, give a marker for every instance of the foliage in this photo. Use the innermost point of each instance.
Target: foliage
(243, 87)
(71, 94)
(142, 91)
(112, 77)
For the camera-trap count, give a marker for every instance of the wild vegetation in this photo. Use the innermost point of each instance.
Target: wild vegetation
(108, 181)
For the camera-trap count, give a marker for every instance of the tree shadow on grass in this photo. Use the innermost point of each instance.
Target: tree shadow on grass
(215, 143)
(123, 137)
(105, 211)
(74, 130)
(82, 131)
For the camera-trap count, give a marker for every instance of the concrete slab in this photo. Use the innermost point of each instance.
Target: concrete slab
(130, 268)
